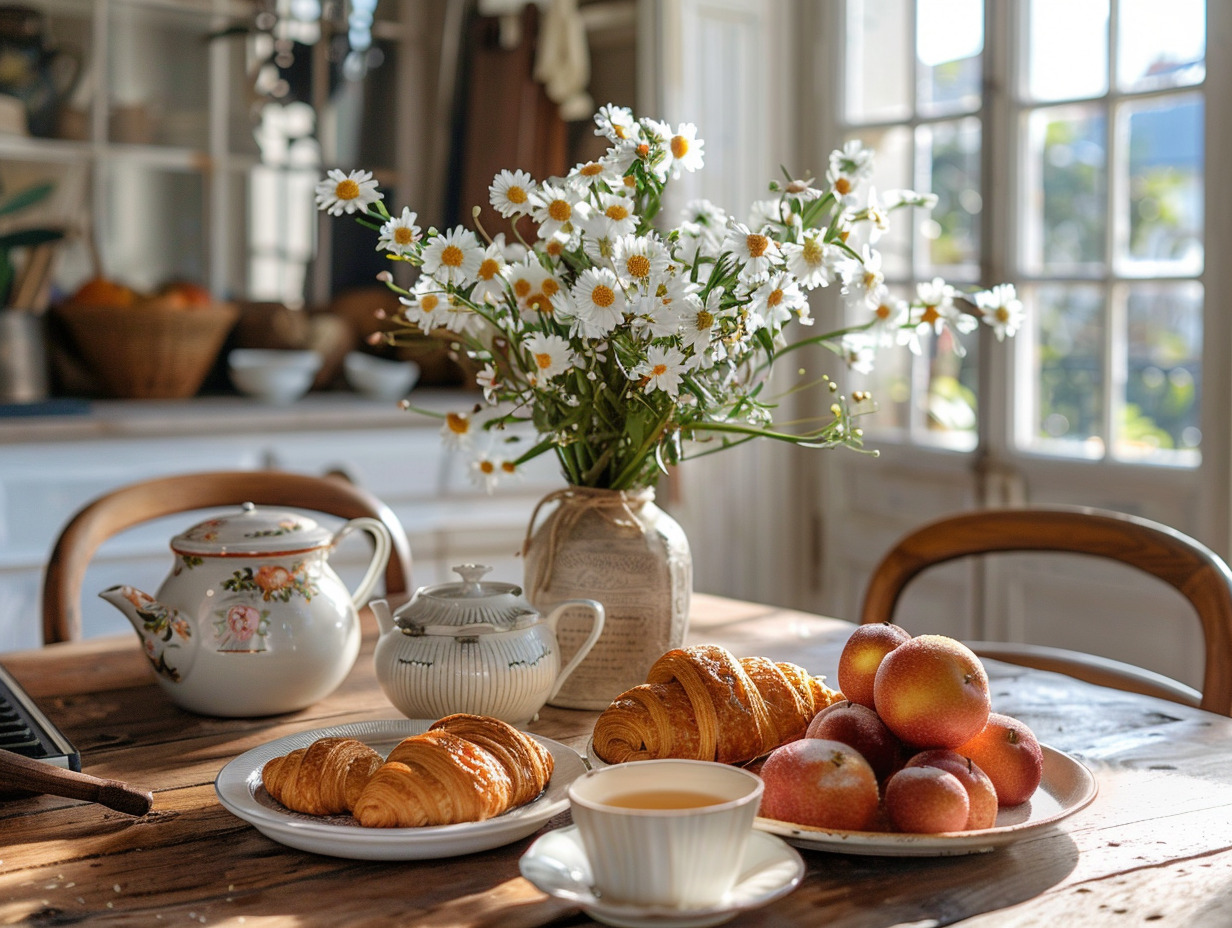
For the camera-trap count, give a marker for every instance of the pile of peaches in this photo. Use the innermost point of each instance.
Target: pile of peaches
(174, 294)
(912, 747)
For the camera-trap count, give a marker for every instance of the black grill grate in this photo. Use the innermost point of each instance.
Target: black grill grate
(25, 730)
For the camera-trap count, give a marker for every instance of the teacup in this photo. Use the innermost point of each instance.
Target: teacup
(666, 833)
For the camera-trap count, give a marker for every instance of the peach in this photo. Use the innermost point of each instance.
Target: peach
(860, 728)
(821, 783)
(1008, 751)
(862, 655)
(981, 794)
(926, 800)
(932, 692)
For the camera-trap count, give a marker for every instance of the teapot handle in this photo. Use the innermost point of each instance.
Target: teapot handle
(380, 556)
(596, 629)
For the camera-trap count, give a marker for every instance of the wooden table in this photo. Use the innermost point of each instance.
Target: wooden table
(1155, 846)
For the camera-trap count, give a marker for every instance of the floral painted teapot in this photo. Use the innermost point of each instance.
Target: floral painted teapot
(476, 646)
(252, 619)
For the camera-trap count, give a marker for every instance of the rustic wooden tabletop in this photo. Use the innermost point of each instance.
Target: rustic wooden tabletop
(1154, 846)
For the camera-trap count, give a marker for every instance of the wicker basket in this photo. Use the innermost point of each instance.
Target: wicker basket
(149, 352)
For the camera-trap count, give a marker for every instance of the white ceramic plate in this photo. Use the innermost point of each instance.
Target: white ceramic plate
(1067, 786)
(239, 789)
(556, 863)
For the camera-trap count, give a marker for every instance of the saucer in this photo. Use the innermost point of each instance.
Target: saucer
(556, 863)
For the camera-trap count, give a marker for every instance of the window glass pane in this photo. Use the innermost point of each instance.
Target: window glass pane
(162, 235)
(1164, 370)
(1165, 193)
(890, 385)
(1069, 394)
(949, 43)
(1065, 190)
(1067, 49)
(1161, 44)
(951, 389)
(892, 171)
(878, 60)
(949, 155)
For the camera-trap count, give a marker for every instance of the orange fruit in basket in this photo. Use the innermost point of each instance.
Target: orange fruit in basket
(99, 291)
(184, 294)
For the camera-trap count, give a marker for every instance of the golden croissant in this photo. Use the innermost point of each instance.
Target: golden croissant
(325, 778)
(701, 703)
(466, 768)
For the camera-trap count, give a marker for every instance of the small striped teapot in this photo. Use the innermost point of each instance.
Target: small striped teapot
(474, 646)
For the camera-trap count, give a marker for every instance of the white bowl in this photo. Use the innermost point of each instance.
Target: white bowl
(275, 376)
(379, 377)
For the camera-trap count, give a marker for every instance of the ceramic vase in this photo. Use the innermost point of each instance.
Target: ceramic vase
(617, 547)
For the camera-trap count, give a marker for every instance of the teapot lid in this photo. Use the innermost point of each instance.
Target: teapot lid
(253, 531)
(474, 604)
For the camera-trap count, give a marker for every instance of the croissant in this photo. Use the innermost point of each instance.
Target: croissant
(463, 769)
(702, 703)
(325, 778)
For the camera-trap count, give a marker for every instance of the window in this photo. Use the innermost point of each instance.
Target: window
(1096, 119)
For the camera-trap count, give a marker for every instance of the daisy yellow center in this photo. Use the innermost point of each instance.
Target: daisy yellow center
(594, 169)
(347, 190)
(661, 293)
(544, 360)
(550, 287)
(459, 425)
(616, 212)
(488, 269)
(842, 186)
(630, 181)
(619, 132)
(775, 297)
(487, 467)
(560, 210)
(704, 320)
(638, 266)
(428, 302)
(659, 370)
(882, 311)
(451, 256)
(812, 252)
(555, 248)
(680, 146)
(930, 315)
(602, 296)
(540, 303)
(1001, 314)
(643, 150)
(605, 248)
(403, 235)
(870, 279)
(756, 244)
(521, 288)
(516, 194)
(508, 467)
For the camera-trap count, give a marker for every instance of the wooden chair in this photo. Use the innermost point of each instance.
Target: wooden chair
(1193, 569)
(141, 502)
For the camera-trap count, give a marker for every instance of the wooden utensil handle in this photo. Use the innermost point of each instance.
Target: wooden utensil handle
(23, 773)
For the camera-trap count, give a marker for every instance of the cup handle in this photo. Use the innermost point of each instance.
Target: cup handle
(596, 629)
(380, 556)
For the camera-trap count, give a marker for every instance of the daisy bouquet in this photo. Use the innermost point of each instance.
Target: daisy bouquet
(627, 347)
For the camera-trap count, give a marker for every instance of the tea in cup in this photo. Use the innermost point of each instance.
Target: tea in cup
(666, 833)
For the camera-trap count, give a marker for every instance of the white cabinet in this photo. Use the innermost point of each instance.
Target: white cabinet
(50, 467)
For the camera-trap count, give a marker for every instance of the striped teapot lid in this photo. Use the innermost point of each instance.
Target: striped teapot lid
(473, 604)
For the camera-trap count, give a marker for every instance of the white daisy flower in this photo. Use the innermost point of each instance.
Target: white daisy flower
(859, 352)
(699, 321)
(936, 305)
(662, 369)
(889, 316)
(489, 276)
(615, 122)
(458, 430)
(453, 257)
(686, 149)
(534, 286)
(342, 193)
(488, 381)
(755, 251)
(592, 174)
(456, 316)
(553, 208)
(614, 217)
(849, 168)
(1001, 309)
(598, 300)
(863, 280)
(777, 299)
(640, 259)
(802, 190)
(551, 354)
(510, 193)
(425, 307)
(811, 260)
(399, 234)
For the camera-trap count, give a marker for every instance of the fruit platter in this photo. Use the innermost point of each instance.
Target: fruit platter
(908, 757)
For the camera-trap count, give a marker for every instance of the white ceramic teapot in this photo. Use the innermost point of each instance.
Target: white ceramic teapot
(475, 646)
(252, 620)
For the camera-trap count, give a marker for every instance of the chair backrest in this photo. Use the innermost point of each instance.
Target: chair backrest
(1198, 573)
(140, 502)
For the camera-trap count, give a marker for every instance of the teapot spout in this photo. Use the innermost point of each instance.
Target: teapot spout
(165, 632)
(384, 615)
